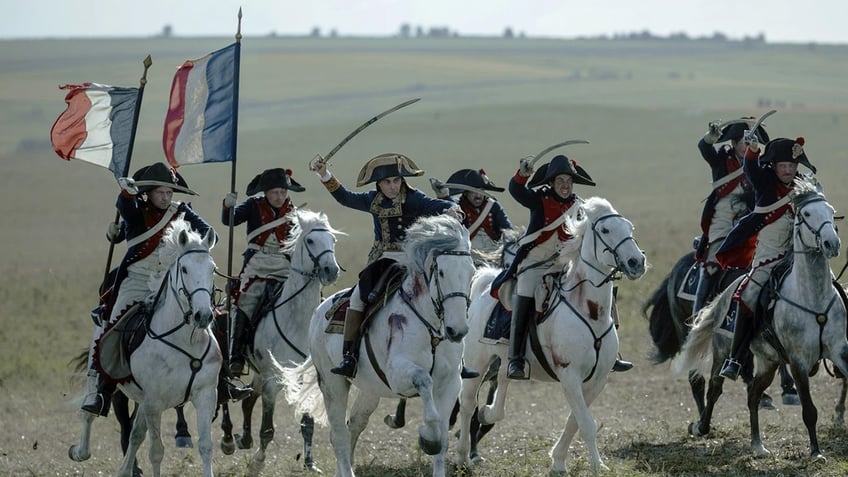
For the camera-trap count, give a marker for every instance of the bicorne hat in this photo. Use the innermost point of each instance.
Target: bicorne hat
(387, 165)
(472, 178)
(786, 150)
(160, 175)
(736, 131)
(271, 179)
(560, 165)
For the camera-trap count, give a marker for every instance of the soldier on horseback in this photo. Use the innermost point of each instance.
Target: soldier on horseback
(732, 197)
(394, 206)
(265, 264)
(146, 206)
(485, 218)
(764, 236)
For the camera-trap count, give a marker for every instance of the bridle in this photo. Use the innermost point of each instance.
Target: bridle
(816, 232)
(598, 241)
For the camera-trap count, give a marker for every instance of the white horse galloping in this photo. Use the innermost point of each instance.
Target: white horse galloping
(179, 359)
(576, 345)
(281, 335)
(809, 321)
(412, 347)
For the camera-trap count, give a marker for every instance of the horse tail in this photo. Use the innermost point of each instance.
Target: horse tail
(697, 351)
(661, 323)
(302, 391)
(482, 279)
(79, 363)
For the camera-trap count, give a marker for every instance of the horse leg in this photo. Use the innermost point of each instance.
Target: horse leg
(245, 439)
(121, 406)
(756, 388)
(479, 430)
(183, 436)
(429, 433)
(335, 391)
(494, 412)
(579, 401)
(81, 452)
(360, 412)
(808, 410)
(444, 395)
(205, 404)
(228, 445)
(270, 389)
(698, 385)
(398, 419)
(139, 429)
(307, 430)
(839, 420)
(156, 451)
(714, 390)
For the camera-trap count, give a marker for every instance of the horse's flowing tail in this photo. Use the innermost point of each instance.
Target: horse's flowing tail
(661, 323)
(302, 391)
(697, 351)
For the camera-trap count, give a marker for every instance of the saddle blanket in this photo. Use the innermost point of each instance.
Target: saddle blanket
(689, 287)
(728, 322)
(497, 326)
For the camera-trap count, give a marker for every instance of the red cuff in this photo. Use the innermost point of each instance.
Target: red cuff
(520, 179)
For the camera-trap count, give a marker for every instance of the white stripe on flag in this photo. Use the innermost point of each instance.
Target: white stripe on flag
(97, 147)
(189, 144)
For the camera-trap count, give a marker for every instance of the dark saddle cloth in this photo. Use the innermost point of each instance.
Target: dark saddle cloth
(113, 348)
(377, 282)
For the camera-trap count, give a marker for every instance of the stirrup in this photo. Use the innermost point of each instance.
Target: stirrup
(516, 369)
(468, 373)
(731, 369)
(235, 393)
(98, 407)
(346, 368)
(621, 365)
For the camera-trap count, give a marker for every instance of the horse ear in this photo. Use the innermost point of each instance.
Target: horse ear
(209, 238)
(183, 238)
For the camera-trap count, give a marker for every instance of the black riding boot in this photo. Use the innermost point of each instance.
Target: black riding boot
(620, 365)
(742, 332)
(523, 309)
(100, 402)
(239, 333)
(350, 351)
(703, 290)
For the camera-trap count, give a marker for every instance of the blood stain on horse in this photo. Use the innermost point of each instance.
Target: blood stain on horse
(594, 310)
(396, 324)
(559, 362)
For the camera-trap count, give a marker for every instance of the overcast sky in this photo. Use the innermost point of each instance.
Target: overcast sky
(819, 21)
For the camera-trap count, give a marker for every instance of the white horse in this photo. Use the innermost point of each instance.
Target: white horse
(281, 334)
(412, 347)
(577, 343)
(179, 359)
(809, 321)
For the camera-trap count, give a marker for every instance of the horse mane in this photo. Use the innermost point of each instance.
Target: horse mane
(302, 221)
(171, 248)
(438, 232)
(807, 188)
(508, 238)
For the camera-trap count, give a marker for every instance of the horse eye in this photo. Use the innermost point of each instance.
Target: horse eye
(184, 269)
(309, 241)
(604, 230)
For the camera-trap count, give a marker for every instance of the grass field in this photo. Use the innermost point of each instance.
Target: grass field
(485, 103)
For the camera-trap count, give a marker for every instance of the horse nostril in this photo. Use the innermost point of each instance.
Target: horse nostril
(633, 263)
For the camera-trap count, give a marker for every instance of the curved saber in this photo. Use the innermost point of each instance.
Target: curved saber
(325, 159)
(761, 119)
(451, 185)
(548, 149)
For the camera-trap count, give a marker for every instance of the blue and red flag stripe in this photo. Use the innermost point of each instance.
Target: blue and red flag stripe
(97, 125)
(199, 123)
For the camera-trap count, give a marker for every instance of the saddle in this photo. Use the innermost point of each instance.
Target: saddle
(499, 321)
(377, 282)
(112, 350)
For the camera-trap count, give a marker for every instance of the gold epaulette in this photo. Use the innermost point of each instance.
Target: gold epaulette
(333, 184)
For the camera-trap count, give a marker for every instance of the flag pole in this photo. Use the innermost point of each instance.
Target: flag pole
(230, 281)
(142, 82)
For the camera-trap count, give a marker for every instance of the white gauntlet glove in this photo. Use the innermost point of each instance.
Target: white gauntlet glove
(128, 184)
(230, 200)
(713, 133)
(112, 231)
(441, 191)
(525, 169)
(752, 141)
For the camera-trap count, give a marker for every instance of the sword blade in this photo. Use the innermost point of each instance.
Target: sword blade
(551, 148)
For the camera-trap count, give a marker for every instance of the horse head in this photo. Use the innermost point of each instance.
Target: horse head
(312, 246)
(438, 248)
(190, 276)
(815, 231)
(608, 242)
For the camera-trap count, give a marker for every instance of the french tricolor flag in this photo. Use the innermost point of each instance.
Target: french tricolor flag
(97, 126)
(200, 124)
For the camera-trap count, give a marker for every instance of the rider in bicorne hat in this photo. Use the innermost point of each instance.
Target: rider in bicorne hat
(485, 218)
(394, 206)
(732, 197)
(548, 195)
(764, 236)
(265, 263)
(146, 207)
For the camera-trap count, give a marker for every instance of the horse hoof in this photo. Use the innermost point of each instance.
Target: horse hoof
(74, 455)
(312, 469)
(390, 421)
(791, 400)
(695, 430)
(244, 442)
(228, 445)
(761, 452)
(429, 447)
(477, 459)
(767, 403)
(184, 442)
